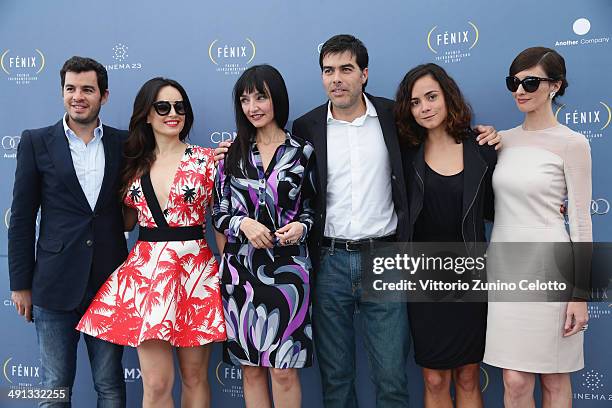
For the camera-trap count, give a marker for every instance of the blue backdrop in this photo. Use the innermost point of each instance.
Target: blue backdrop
(205, 45)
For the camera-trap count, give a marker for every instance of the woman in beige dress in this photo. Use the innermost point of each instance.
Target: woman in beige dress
(542, 162)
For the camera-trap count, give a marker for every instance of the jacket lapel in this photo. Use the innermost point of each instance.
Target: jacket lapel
(319, 140)
(57, 143)
(387, 125)
(474, 169)
(109, 141)
(418, 163)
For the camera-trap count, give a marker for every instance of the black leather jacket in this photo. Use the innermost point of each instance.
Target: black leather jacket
(478, 202)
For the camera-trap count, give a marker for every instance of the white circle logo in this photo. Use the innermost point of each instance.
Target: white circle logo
(582, 26)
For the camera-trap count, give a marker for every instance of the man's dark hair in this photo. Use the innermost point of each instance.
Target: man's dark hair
(341, 43)
(345, 42)
(82, 64)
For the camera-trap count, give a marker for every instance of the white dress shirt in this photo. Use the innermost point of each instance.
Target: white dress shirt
(359, 196)
(88, 160)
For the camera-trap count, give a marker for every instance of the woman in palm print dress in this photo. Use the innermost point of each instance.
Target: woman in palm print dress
(263, 193)
(166, 294)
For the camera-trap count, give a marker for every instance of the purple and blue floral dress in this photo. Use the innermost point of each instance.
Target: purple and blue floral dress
(266, 292)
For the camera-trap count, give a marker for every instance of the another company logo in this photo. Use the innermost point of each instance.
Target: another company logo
(9, 145)
(120, 52)
(452, 45)
(484, 379)
(592, 121)
(600, 206)
(22, 68)
(10, 142)
(131, 374)
(232, 58)
(230, 378)
(582, 27)
(593, 381)
(218, 137)
(7, 220)
(20, 373)
(120, 56)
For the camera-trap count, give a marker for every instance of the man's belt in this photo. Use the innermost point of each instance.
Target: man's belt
(354, 245)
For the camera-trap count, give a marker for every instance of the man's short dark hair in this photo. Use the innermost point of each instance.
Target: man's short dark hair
(82, 64)
(341, 43)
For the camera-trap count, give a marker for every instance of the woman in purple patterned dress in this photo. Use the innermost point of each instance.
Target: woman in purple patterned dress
(263, 205)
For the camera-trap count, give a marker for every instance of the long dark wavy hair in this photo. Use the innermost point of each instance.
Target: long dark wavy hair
(459, 112)
(139, 148)
(264, 79)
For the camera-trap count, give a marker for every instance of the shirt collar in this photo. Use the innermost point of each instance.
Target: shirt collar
(98, 131)
(370, 111)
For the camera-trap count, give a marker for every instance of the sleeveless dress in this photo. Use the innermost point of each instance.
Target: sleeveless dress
(168, 287)
(266, 292)
(458, 336)
(535, 172)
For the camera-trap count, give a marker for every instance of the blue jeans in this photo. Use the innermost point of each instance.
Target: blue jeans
(337, 297)
(57, 342)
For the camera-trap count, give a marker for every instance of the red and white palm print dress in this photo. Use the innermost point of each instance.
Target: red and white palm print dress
(168, 287)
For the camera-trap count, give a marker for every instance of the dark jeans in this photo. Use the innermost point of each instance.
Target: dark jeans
(57, 342)
(385, 331)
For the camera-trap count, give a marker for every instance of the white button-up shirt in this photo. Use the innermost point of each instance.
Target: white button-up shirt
(359, 195)
(88, 160)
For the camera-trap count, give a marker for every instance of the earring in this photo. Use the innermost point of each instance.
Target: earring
(552, 94)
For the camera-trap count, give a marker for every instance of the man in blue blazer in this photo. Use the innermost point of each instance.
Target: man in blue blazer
(69, 171)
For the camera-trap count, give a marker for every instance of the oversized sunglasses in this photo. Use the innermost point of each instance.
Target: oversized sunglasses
(530, 83)
(163, 107)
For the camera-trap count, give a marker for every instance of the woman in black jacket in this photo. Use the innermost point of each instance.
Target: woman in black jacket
(448, 177)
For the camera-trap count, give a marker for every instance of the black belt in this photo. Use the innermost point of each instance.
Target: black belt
(171, 233)
(354, 245)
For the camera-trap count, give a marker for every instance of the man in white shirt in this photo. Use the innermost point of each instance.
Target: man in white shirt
(71, 172)
(361, 198)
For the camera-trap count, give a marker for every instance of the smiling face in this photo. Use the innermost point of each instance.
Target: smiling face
(540, 98)
(343, 80)
(171, 124)
(82, 97)
(427, 103)
(258, 108)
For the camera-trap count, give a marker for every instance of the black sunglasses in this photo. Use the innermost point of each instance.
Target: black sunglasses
(530, 83)
(163, 107)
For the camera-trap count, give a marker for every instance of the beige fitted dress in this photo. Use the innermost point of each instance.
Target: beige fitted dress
(536, 171)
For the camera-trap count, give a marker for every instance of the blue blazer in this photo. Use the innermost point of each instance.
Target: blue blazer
(77, 248)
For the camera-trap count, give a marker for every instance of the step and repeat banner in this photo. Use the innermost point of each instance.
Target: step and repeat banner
(206, 45)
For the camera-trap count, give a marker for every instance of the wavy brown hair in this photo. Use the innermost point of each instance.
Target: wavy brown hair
(459, 111)
(139, 148)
